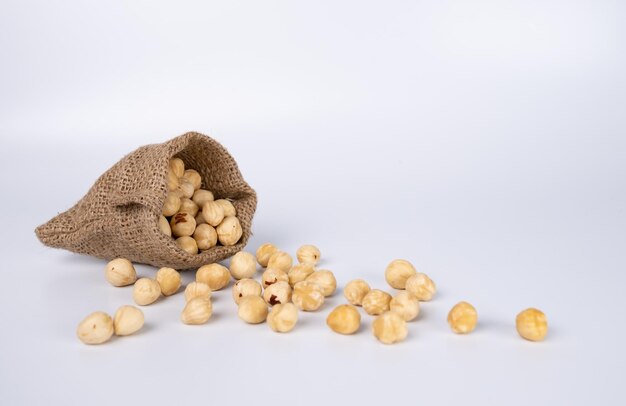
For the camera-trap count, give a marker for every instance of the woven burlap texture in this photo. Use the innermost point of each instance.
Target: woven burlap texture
(119, 215)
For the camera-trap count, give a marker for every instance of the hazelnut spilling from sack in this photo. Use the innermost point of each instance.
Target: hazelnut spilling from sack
(122, 215)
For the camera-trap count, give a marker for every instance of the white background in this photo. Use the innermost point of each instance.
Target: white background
(484, 141)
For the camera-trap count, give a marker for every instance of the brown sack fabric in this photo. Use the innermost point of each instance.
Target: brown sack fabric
(119, 215)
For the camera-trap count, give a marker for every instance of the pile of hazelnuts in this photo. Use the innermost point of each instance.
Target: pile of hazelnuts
(193, 216)
(284, 290)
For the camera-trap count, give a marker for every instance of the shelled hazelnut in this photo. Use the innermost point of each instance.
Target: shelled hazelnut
(390, 328)
(197, 289)
(213, 213)
(421, 286)
(280, 260)
(227, 207)
(242, 265)
(96, 328)
(173, 181)
(462, 318)
(307, 296)
(120, 272)
(188, 206)
(277, 293)
(271, 276)
(200, 220)
(177, 167)
(171, 205)
(246, 287)
(406, 305)
(183, 224)
(325, 279)
(164, 226)
(308, 254)
(197, 311)
(201, 197)
(532, 324)
(252, 309)
(264, 252)
(397, 273)
(193, 177)
(344, 319)
(205, 236)
(186, 188)
(300, 272)
(355, 291)
(376, 302)
(229, 231)
(187, 244)
(146, 291)
(169, 280)
(127, 320)
(283, 317)
(216, 276)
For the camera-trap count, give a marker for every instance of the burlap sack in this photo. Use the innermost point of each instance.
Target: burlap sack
(119, 215)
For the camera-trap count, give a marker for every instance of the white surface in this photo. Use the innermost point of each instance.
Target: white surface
(484, 141)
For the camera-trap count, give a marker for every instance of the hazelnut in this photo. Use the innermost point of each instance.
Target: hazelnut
(197, 311)
(194, 177)
(264, 252)
(178, 193)
(171, 204)
(201, 196)
(186, 188)
(308, 254)
(344, 319)
(183, 225)
(406, 305)
(227, 206)
(462, 318)
(200, 219)
(532, 324)
(146, 291)
(283, 317)
(187, 244)
(398, 272)
(205, 236)
(244, 288)
(177, 166)
(355, 291)
(188, 206)
(172, 181)
(229, 231)
(326, 280)
(389, 328)
(307, 296)
(280, 260)
(300, 272)
(277, 293)
(376, 302)
(169, 280)
(242, 265)
(215, 275)
(252, 309)
(213, 213)
(96, 328)
(197, 289)
(271, 276)
(421, 286)
(120, 272)
(164, 226)
(127, 320)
